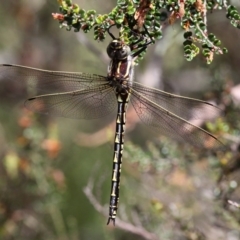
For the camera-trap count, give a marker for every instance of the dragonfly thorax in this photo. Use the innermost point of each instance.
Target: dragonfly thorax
(118, 50)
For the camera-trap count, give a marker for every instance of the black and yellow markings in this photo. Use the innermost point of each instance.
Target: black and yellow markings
(117, 158)
(120, 74)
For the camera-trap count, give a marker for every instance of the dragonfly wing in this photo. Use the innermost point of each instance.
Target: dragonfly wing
(49, 81)
(95, 102)
(170, 124)
(184, 107)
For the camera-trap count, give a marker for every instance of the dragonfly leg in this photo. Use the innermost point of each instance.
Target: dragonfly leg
(108, 30)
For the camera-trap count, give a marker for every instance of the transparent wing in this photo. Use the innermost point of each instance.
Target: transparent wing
(95, 102)
(170, 124)
(74, 95)
(184, 107)
(50, 81)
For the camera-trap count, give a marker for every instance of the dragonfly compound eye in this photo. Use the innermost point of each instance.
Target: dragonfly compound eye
(116, 49)
(123, 53)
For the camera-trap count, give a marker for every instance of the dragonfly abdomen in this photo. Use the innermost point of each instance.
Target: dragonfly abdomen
(117, 156)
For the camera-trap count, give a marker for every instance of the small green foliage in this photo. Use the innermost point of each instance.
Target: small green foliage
(218, 127)
(190, 50)
(141, 19)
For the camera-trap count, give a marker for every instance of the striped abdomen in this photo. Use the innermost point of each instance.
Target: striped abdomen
(117, 156)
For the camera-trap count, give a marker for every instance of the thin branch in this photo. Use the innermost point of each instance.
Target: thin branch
(81, 37)
(119, 223)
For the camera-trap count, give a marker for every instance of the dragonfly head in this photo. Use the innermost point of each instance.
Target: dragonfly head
(117, 49)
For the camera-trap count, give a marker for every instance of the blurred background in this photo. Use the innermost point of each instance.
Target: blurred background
(55, 173)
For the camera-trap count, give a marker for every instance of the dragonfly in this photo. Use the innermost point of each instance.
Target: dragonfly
(90, 96)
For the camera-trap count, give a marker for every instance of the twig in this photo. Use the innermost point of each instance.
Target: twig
(85, 42)
(119, 223)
